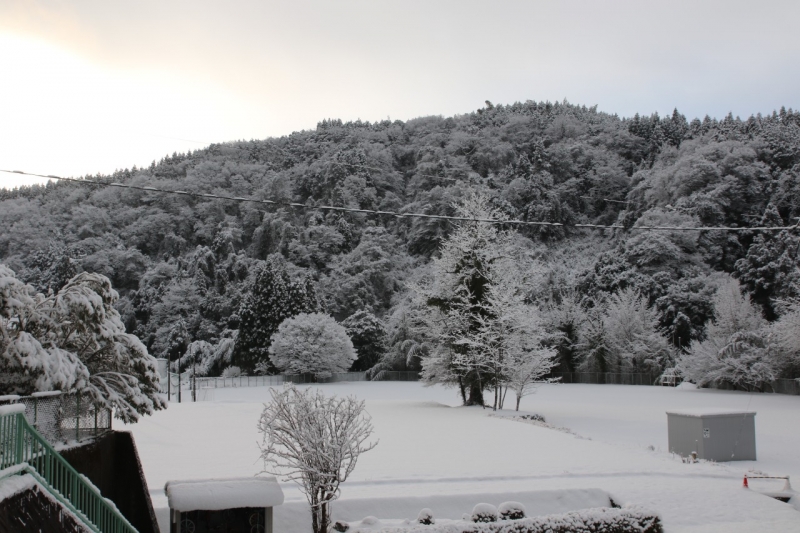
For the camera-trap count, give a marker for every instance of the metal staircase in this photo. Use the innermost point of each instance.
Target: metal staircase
(24, 451)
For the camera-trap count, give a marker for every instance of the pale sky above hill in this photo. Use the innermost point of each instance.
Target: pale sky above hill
(91, 86)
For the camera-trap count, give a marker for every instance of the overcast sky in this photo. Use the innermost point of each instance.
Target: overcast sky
(92, 86)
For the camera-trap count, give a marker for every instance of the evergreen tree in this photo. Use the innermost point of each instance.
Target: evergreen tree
(74, 341)
(369, 339)
(451, 306)
(769, 272)
(177, 344)
(272, 298)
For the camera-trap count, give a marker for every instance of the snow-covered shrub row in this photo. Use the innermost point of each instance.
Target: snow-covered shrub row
(601, 519)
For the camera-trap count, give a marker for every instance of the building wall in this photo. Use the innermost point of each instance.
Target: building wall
(715, 438)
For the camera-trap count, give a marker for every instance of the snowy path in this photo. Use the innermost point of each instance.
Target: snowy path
(430, 447)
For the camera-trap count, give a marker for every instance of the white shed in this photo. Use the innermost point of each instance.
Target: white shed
(714, 434)
(236, 504)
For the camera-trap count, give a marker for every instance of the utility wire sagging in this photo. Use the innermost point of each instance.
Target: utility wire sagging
(398, 214)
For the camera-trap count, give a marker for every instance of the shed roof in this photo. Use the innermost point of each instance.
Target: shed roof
(705, 412)
(219, 494)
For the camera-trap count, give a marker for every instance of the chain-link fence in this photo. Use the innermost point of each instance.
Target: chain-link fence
(185, 388)
(780, 386)
(786, 386)
(61, 418)
(607, 378)
(397, 375)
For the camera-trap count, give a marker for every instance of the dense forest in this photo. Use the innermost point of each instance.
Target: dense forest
(208, 281)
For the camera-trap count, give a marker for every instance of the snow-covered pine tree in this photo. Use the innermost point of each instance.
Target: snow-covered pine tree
(769, 272)
(75, 341)
(311, 343)
(29, 361)
(450, 303)
(273, 297)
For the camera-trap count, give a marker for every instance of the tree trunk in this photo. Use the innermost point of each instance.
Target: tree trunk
(463, 391)
(475, 394)
(324, 518)
(315, 515)
(519, 397)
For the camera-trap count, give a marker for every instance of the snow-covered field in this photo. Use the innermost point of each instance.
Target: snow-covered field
(430, 450)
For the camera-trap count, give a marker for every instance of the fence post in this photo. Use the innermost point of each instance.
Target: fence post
(77, 416)
(20, 439)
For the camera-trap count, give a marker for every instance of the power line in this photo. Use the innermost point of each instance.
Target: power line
(395, 213)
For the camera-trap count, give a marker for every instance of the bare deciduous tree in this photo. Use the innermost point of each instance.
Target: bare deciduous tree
(315, 441)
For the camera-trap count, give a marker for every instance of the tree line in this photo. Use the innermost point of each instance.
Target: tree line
(208, 282)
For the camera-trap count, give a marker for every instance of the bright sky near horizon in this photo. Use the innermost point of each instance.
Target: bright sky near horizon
(89, 86)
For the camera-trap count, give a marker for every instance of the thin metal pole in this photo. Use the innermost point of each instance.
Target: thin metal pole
(77, 416)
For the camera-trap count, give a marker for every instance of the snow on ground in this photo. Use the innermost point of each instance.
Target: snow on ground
(430, 447)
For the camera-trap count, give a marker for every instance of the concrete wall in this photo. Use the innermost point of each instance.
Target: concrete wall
(112, 463)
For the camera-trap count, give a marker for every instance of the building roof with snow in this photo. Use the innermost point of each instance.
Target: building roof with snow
(704, 412)
(219, 494)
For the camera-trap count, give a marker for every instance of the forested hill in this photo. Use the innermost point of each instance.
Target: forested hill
(182, 265)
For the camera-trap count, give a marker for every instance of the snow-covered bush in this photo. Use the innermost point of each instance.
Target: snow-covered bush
(511, 510)
(74, 340)
(232, 372)
(315, 441)
(341, 526)
(311, 343)
(425, 516)
(484, 512)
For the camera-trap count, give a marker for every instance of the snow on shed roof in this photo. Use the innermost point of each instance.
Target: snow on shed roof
(709, 411)
(219, 494)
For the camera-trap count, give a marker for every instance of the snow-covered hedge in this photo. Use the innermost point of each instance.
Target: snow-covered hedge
(605, 519)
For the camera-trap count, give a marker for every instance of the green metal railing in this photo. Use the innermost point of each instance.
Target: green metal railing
(21, 446)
